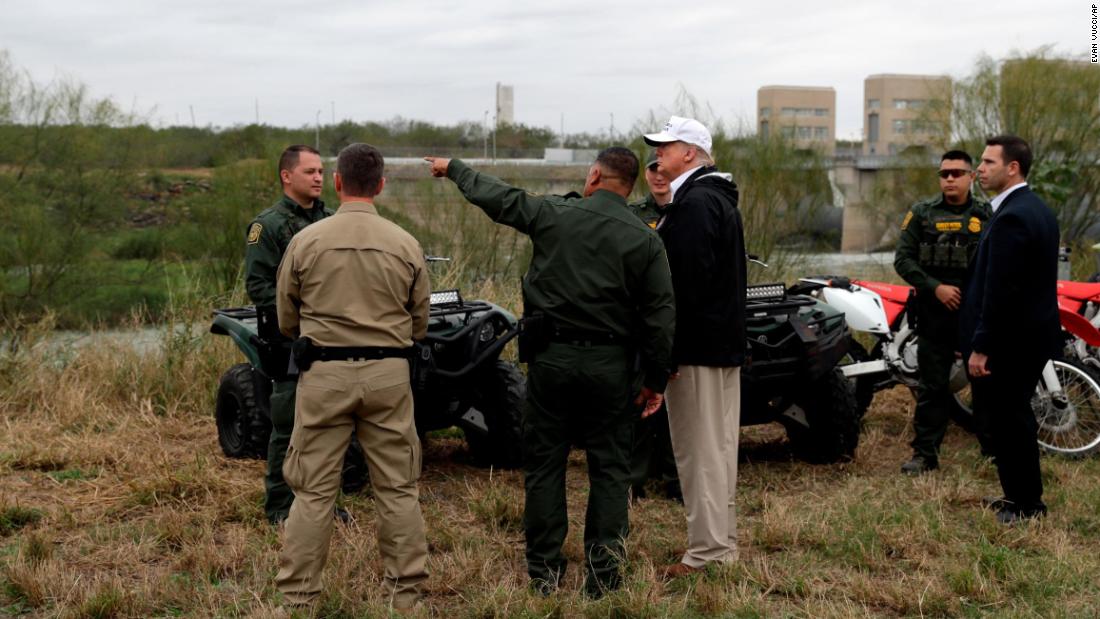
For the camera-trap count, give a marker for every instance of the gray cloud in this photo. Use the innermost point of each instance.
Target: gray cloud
(439, 61)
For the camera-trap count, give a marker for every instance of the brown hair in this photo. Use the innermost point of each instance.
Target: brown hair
(291, 155)
(360, 168)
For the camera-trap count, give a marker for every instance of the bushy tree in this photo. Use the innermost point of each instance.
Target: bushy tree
(1051, 101)
(68, 171)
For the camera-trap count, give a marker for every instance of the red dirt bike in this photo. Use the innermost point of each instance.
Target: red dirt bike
(1067, 398)
(1079, 304)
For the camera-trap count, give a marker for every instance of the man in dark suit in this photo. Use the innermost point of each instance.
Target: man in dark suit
(1009, 323)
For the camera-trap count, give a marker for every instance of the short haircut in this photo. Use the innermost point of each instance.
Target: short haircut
(1014, 149)
(957, 155)
(619, 162)
(289, 159)
(360, 168)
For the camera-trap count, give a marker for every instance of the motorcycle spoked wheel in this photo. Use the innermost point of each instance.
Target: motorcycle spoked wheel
(1068, 425)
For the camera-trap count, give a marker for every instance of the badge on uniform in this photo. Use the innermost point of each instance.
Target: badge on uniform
(908, 218)
(254, 233)
(652, 224)
(975, 225)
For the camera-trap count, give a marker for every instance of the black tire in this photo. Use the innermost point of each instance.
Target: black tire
(864, 385)
(243, 428)
(1072, 429)
(354, 476)
(499, 395)
(834, 421)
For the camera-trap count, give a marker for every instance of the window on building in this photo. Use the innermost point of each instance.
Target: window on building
(765, 112)
(821, 111)
(902, 126)
(805, 133)
(788, 132)
(821, 133)
(764, 128)
(873, 104)
(908, 104)
(872, 128)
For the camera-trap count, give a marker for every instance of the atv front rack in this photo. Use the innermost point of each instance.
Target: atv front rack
(772, 299)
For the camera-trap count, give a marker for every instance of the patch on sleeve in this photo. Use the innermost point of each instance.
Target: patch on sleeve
(908, 218)
(975, 225)
(254, 233)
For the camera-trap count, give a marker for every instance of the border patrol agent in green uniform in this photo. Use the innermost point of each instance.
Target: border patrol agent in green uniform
(302, 175)
(938, 238)
(597, 336)
(652, 457)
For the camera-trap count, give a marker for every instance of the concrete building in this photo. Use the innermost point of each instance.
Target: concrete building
(806, 114)
(506, 113)
(897, 111)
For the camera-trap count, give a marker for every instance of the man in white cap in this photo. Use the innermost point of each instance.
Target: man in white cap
(702, 232)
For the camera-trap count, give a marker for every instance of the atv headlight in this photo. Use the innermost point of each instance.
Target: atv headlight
(487, 332)
(443, 297)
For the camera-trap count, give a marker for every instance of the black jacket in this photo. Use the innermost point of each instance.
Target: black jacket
(705, 243)
(1010, 309)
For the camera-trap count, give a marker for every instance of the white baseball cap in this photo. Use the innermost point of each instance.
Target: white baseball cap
(679, 129)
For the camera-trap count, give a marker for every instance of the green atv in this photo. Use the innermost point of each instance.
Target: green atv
(796, 343)
(466, 384)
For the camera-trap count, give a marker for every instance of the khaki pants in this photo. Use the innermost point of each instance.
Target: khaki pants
(704, 414)
(374, 400)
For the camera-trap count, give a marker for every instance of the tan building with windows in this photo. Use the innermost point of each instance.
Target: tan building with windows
(806, 114)
(897, 112)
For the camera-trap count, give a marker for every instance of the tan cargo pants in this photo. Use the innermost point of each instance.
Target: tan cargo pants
(704, 416)
(374, 400)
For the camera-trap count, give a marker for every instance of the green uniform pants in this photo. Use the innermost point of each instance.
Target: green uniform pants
(652, 457)
(578, 395)
(278, 495)
(935, 356)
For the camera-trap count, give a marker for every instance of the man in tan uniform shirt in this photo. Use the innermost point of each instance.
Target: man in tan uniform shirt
(356, 286)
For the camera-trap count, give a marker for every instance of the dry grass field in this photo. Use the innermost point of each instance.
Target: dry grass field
(115, 501)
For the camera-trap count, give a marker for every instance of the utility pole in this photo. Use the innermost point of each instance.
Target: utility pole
(485, 136)
(192, 108)
(495, 121)
(317, 135)
(611, 129)
(561, 135)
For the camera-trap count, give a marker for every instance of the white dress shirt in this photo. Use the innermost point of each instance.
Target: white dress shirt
(996, 202)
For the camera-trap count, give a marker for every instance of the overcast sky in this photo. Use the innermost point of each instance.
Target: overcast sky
(440, 61)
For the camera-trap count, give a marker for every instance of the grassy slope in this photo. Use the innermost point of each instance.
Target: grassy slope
(116, 502)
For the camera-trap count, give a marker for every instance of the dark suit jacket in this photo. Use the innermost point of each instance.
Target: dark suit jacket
(1010, 309)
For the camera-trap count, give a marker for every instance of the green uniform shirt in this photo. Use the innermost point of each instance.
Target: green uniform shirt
(938, 240)
(647, 210)
(594, 265)
(267, 238)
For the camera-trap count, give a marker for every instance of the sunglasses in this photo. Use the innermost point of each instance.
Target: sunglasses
(953, 173)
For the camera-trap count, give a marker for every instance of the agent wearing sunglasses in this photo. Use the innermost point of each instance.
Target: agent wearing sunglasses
(938, 238)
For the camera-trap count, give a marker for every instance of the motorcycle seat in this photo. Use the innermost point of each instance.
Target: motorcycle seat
(890, 292)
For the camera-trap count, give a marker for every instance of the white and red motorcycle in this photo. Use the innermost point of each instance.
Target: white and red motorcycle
(1067, 398)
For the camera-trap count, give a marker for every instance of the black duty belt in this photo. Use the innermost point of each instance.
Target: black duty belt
(584, 337)
(357, 353)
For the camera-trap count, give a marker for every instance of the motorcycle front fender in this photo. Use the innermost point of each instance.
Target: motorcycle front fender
(1079, 327)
